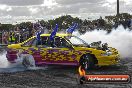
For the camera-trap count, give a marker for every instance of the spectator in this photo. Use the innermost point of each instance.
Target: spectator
(11, 37)
(5, 37)
(17, 35)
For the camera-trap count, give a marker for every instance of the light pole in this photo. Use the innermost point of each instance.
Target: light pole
(117, 11)
(118, 7)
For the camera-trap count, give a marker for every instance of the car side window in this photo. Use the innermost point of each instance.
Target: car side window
(65, 43)
(45, 41)
(61, 42)
(57, 42)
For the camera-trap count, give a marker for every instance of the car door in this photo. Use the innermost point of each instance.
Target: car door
(62, 52)
(44, 49)
(41, 51)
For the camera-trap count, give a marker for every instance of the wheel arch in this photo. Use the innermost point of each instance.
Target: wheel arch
(92, 55)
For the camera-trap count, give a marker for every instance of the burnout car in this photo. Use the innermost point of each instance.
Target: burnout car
(65, 49)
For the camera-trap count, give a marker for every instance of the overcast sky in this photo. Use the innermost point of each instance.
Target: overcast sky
(12, 11)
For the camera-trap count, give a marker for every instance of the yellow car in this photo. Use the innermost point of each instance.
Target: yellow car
(65, 49)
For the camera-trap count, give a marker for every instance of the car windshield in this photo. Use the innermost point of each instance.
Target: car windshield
(77, 41)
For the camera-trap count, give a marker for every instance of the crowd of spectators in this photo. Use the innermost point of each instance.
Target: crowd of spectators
(19, 33)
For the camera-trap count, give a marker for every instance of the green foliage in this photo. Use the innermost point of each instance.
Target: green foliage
(64, 21)
(122, 16)
(67, 20)
(6, 27)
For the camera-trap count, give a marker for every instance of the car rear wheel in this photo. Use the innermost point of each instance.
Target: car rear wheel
(87, 62)
(28, 61)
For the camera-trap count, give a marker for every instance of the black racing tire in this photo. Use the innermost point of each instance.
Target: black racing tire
(82, 80)
(28, 61)
(87, 62)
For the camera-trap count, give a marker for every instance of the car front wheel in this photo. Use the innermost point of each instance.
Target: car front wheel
(87, 62)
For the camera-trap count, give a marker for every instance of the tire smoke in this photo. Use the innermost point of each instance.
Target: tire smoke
(6, 67)
(3, 61)
(119, 38)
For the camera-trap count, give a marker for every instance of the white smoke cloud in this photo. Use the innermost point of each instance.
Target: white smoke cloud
(5, 66)
(3, 61)
(120, 39)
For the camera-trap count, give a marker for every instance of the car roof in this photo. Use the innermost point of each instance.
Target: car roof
(58, 34)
